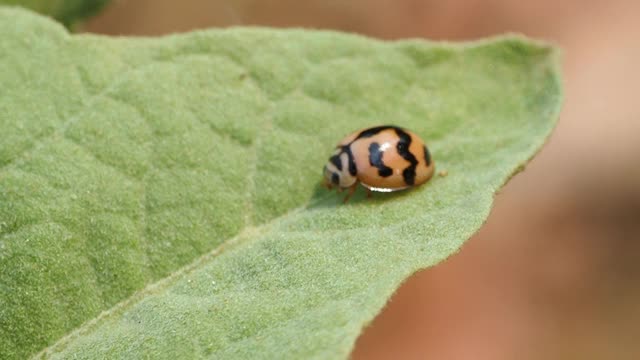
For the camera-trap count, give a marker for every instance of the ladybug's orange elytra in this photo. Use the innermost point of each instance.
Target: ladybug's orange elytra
(382, 158)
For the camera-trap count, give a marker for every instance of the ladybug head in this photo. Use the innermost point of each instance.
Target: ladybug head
(339, 171)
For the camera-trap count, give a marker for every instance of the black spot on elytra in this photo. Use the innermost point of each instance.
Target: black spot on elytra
(404, 141)
(373, 131)
(375, 159)
(427, 156)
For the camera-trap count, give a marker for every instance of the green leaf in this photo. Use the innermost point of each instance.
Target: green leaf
(160, 198)
(67, 12)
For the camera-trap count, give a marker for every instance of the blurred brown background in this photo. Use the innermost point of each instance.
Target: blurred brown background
(555, 273)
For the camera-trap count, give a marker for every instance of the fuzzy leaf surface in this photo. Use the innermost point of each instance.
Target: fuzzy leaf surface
(160, 198)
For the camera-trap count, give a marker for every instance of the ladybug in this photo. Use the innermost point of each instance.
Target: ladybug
(382, 158)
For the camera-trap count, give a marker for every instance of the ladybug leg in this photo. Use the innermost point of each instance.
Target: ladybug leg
(352, 189)
(368, 193)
